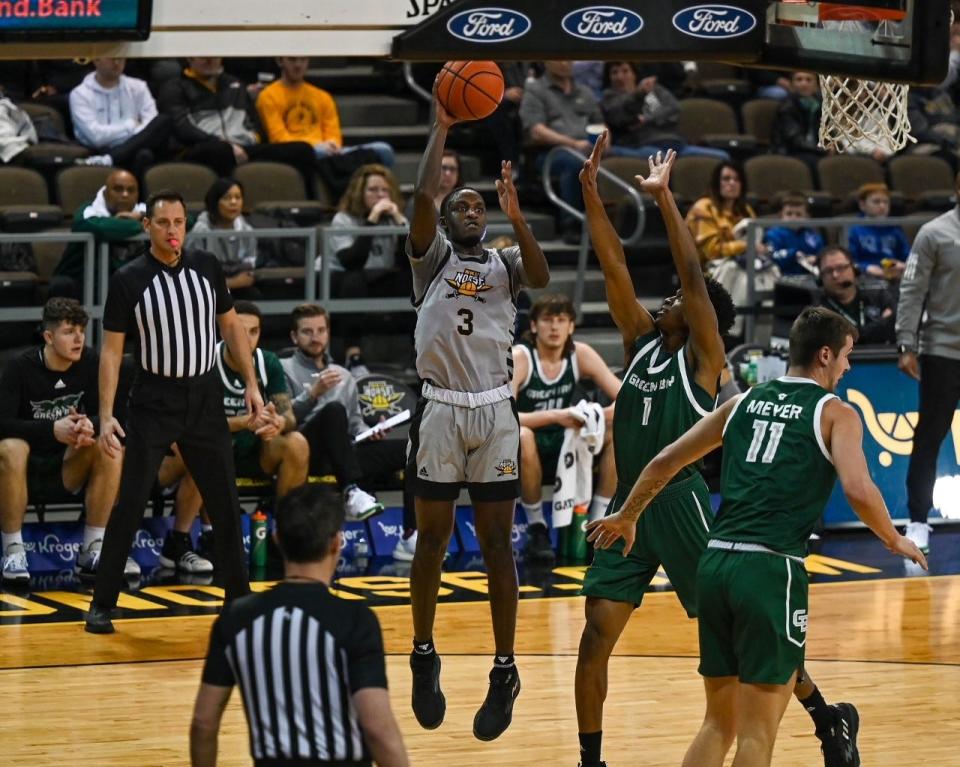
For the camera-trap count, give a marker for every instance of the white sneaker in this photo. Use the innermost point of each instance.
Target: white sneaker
(14, 564)
(191, 562)
(97, 159)
(405, 548)
(919, 533)
(360, 505)
(131, 569)
(88, 560)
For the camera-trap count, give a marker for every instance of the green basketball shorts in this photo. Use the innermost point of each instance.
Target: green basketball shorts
(672, 531)
(753, 615)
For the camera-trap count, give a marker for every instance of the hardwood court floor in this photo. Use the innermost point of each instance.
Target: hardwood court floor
(892, 647)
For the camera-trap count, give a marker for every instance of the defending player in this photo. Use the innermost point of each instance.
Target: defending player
(547, 366)
(670, 385)
(751, 583)
(465, 430)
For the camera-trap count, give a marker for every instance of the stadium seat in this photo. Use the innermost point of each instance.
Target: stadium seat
(53, 149)
(768, 175)
(759, 118)
(24, 201)
(712, 123)
(690, 179)
(720, 81)
(189, 178)
(625, 169)
(272, 187)
(926, 182)
(78, 185)
(841, 175)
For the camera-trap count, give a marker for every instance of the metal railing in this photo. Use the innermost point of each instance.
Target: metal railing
(584, 246)
(755, 225)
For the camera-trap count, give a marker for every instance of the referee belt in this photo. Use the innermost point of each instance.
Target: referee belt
(468, 399)
(751, 548)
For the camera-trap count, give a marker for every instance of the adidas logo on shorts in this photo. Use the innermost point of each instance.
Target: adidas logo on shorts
(423, 471)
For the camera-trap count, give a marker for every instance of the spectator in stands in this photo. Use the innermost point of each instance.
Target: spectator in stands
(294, 110)
(223, 210)
(327, 408)
(16, 132)
(717, 220)
(116, 117)
(879, 251)
(793, 250)
(449, 180)
(216, 124)
(643, 115)
(367, 265)
(547, 366)
(934, 122)
(873, 312)
(268, 447)
(48, 423)
(556, 111)
(796, 131)
(114, 216)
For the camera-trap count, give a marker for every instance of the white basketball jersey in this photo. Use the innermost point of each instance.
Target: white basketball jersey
(466, 311)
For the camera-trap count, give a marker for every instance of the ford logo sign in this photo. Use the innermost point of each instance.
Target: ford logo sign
(489, 25)
(714, 21)
(602, 22)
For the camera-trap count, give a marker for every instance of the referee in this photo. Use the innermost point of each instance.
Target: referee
(310, 667)
(168, 299)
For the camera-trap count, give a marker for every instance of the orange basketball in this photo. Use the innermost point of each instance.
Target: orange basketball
(470, 90)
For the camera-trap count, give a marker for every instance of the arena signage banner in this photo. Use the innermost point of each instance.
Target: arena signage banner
(578, 29)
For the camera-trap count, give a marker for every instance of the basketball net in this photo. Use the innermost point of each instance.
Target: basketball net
(863, 115)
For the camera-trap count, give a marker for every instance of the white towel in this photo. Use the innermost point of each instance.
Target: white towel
(574, 484)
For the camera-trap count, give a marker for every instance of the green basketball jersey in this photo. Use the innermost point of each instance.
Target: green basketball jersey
(777, 473)
(538, 392)
(270, 379)
(658, 402)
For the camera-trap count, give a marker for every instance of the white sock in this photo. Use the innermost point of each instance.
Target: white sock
(534, 512)
(205, 528)
(598, 506)
(91, 534)
(11, 538)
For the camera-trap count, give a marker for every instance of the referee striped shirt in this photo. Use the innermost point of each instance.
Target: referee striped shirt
(170, 310)
(298, 654)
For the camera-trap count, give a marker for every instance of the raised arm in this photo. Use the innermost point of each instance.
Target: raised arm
(844, 433)
(706, 345)
(692, 446)
(423, 227)
(531, 254)
(628, 314)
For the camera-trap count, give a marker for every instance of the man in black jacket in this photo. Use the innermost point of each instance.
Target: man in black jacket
(48, 423)
(797, 129)
(216, 124)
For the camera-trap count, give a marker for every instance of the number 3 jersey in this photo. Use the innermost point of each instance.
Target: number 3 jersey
(659, 401)
(777, 472)
(466, 311)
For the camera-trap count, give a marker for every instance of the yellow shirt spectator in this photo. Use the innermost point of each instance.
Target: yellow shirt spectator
(301, 112)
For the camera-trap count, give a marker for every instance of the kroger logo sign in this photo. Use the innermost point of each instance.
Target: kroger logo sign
(714, 21)
(602, 22)
(489, 25)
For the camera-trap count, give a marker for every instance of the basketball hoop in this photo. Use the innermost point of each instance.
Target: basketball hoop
(863, 115)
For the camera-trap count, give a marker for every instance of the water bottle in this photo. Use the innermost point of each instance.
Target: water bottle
(258, 539)
(576, 549)
(752, 371)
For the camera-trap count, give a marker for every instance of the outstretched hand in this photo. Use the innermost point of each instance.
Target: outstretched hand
(658, 179)
(908, 549)
(603, 533)
(507, 191)
(444, 118)
(588, 174)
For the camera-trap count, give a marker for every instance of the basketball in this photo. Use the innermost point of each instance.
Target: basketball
(470, 90)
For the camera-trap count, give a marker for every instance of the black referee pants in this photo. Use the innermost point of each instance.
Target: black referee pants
(189, 412)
